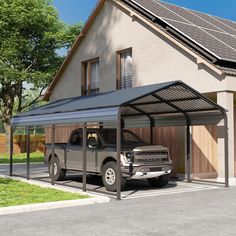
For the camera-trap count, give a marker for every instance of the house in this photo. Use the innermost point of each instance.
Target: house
(129, 43)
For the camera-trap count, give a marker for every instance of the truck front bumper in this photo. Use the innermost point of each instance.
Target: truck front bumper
(147, 175)
(146, 172)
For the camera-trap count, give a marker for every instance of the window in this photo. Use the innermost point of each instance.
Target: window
(77, 139)
(124, 69)
(90, 77)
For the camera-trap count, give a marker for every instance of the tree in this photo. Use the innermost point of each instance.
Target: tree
(30, 36)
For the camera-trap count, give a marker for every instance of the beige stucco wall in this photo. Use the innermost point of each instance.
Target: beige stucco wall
(155, 59)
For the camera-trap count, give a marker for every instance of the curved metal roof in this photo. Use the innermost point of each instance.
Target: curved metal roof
(171, 101)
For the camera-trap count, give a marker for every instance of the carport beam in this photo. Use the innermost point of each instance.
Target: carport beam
(28, 151)
(11, 150)
(188, 148)
(84, 156)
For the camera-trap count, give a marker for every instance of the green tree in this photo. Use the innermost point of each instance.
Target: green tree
(30, 36)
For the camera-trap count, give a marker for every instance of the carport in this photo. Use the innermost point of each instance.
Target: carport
(172, 103)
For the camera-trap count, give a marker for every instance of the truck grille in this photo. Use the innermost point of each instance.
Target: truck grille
(151, 157)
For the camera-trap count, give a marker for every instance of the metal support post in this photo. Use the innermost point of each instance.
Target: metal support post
(53, 155)
(28, 151)
(11, 151)
(118, 166)
(151, 129)
(84, 156)
(226, 151)
(188, 147)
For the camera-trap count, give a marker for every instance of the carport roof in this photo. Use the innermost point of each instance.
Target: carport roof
(164, 99)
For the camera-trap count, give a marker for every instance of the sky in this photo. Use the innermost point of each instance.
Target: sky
(74, 11)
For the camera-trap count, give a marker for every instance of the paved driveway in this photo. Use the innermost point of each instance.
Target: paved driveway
(209, 213)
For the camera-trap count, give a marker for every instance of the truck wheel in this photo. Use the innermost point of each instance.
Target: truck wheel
(160, 181)
(109, 177)
(59, 173)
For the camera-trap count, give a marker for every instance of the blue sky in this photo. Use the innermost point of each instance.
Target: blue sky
(74, 11)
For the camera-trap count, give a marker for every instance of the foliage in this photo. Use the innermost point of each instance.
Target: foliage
(30, 36)
(2, 130)
(21, 158)
(14, 193)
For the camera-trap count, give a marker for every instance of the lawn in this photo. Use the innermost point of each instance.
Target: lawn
(21, 158)
(13, 193)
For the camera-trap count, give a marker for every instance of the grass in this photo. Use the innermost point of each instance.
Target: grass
(13, 193)
(21, 158)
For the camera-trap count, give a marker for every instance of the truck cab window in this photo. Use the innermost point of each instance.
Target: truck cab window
(76, 139)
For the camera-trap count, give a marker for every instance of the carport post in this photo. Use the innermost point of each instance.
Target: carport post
(28, 151)
(53, 154)
(11, 150)
(188, 154)
(152, 124)
(226, 152)
(84, 156)
(118, 167)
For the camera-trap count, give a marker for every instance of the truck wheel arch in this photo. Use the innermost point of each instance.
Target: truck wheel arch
(60, 161)
(106, 160)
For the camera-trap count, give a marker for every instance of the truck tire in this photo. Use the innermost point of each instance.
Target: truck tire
(160, 181)
(59, 173)
(109, 177)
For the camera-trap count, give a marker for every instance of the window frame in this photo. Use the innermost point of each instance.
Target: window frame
(86, 77)
(118, 65)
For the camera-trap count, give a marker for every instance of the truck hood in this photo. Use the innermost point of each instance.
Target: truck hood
(150, 148)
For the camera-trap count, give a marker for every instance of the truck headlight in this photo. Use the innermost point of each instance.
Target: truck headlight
(129, 156)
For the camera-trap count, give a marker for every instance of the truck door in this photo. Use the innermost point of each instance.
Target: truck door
(93, 144)
(74, 151)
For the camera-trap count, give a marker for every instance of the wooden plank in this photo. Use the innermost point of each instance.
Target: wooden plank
(19, 143)
(62, 133)
(204, 150)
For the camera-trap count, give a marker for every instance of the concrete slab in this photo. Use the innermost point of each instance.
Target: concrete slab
(134, 188)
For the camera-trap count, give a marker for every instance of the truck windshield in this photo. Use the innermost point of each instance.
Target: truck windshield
(127, 137)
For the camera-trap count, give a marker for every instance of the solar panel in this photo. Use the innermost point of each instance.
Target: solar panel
(228, 23)
(158, 10)
(226, 38)
(189, 16)
(215, 21)
(205, 40)
(215, 35)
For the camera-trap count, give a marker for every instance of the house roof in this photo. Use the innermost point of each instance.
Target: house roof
(212, 38)
(173, 101)
(214, 35)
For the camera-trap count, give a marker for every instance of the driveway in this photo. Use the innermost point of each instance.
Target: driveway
(210, 212)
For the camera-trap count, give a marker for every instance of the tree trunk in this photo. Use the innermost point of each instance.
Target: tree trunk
(7, 103)
(8, 137)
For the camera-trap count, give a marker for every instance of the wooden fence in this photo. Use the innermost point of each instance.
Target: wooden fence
(36, 143)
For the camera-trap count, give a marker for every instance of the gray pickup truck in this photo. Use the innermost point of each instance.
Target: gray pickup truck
(139, 160)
